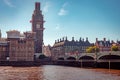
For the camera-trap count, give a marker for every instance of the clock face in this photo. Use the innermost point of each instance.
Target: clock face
(37, 26)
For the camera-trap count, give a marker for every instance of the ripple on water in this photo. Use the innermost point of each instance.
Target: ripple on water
(50, 72)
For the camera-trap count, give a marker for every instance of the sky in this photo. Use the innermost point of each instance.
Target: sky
(71, 18)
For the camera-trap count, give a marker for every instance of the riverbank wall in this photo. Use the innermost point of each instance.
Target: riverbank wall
(92, 64)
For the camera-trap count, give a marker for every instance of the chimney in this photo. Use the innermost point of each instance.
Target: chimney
(66, 38)
(72, 38)
(63, 38)
(96, 39)
(83, 40)
(104, 39)
(80, 39)
(112, 41)
(37, 6)
(58, 40)
(86, 38)
(55, 41)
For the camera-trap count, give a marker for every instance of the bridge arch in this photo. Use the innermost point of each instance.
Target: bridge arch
(113, 53)
(61, 58)
(71, 58)
(86, 58)
(107, 57)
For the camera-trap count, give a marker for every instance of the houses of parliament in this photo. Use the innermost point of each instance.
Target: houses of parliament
(26, 46)
(22, 47)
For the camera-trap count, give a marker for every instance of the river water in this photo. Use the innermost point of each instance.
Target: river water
(52, 72)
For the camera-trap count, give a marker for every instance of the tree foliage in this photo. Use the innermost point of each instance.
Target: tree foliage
(114, 48)
(92, 49)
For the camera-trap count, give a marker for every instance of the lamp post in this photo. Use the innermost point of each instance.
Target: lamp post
(109, 61)
(95, 57)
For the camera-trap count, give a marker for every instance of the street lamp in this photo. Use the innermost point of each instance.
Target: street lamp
(95, 57)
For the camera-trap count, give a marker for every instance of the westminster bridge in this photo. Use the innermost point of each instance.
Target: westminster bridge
(101, 58)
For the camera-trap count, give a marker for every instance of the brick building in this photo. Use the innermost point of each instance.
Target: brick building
(104, 45)
(47, 50)
(118, 44)
(64, 47)
(21, 48)
(4, 49)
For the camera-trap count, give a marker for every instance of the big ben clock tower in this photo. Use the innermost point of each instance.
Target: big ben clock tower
(37, 26)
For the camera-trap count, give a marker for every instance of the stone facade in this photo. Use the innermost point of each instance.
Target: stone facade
(47, 50)
(118, 42)
(64, 47)
(21, 48)
(4, 49)
(38, 27)
(104, 45)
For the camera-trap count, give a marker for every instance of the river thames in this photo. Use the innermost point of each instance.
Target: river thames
(52, 72)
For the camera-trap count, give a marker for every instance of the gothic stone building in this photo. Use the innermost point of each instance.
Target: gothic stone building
(21, 47)
(4, 49)
(64, 47)
(37, 26)
(47, 50)
(118, 44)
(104, 45)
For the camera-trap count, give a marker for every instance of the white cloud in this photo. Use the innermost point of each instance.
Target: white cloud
(57, 27)
(46, 7)
(8, 3)
(63, 11)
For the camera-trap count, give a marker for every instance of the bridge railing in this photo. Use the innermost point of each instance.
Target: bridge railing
(111, 60)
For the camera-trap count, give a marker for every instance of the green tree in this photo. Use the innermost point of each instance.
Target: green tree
(89, 50)
(92, 49)
(114, 48)
(96, 49)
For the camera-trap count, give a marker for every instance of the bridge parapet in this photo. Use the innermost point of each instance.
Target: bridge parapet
(87, 54)
(93, 55)
(108, 53)
(115, 53)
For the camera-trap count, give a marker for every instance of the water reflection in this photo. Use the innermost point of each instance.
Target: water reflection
(21, 73)
(50, 72)
(72, 73)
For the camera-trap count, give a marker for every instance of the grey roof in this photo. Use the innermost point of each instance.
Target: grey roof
(72, 43)
(104, 43)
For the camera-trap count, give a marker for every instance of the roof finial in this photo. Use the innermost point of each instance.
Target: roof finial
(63, 38)
(80, 39)
(86, 38)
(72, 38)
(37, 6)
(66, 38)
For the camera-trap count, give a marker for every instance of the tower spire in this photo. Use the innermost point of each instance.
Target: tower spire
(37, 6)
(38, 27)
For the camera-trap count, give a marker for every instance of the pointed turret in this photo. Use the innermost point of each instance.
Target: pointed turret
(72, 38)
(37, 6)
(80, 39)
(86, 38)
(66, 38)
